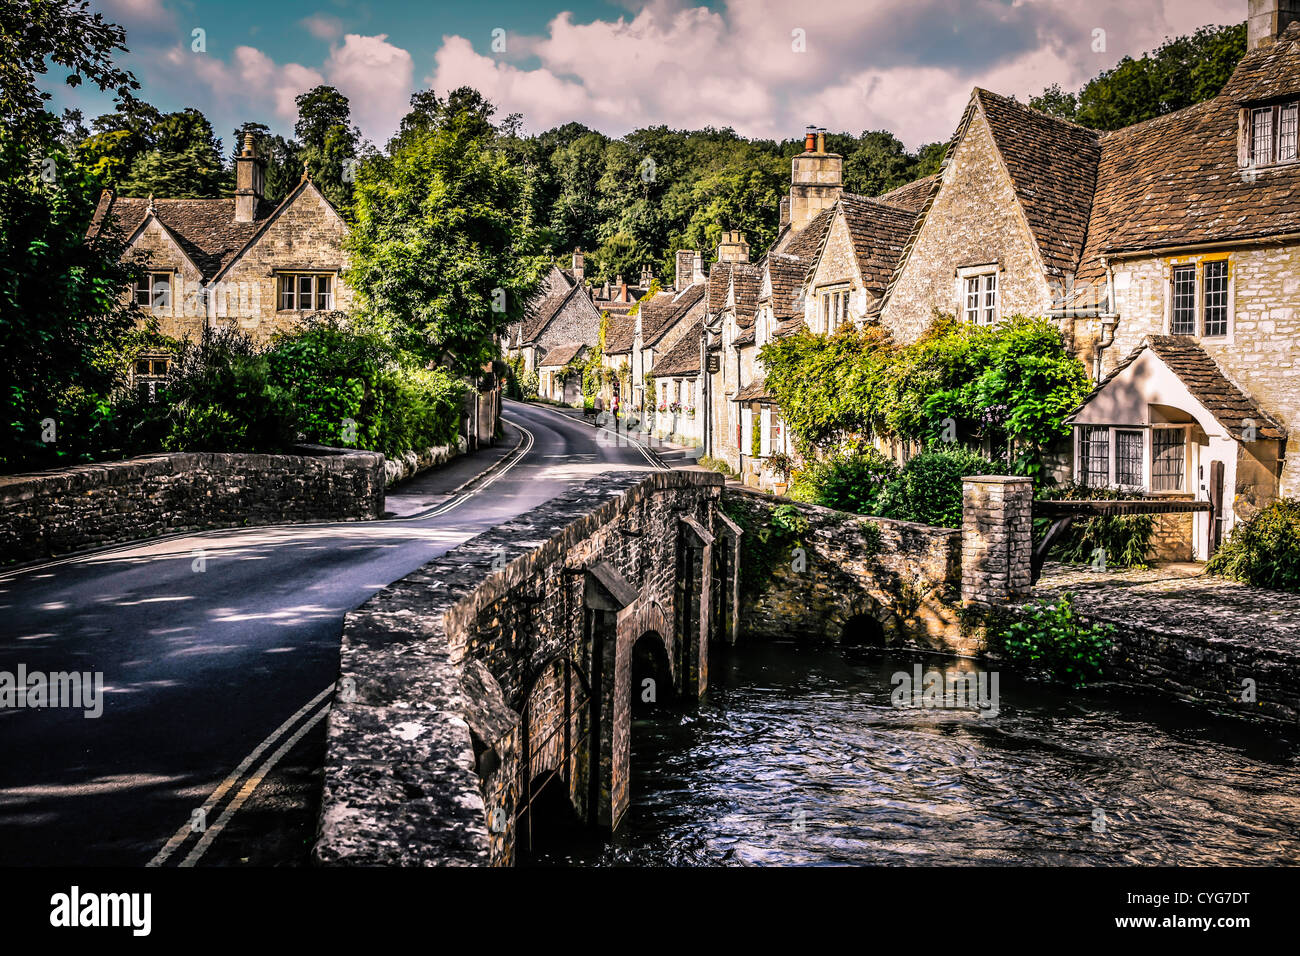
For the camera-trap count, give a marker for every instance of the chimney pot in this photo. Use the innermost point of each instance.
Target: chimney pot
(821, 141)
(810, 140)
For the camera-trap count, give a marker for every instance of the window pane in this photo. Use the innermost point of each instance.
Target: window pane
(973, 299)
(990, 298)
(1128, 458)
(1286, 131)
(1215, 302)
(1094, 452)
(162, 290)
(1183, 319)
(142, 292)
(1168, 453)
(324, 295)
(142, 367)
(304, 292)
(287, 283)
(1261, 139)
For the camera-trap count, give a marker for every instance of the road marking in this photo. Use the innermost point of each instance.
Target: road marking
(519, 454)
(184, 831)
(249, 786)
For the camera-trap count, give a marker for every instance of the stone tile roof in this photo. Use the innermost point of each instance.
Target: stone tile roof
(805, 243)
(1268, 72)
(719, 282)
(1175, 180)
(755, 391)
(786, 273)
(1230, 406)
(747, 282)
(913, 195)
(560, 355)
(204, 228)
(744, 337)
(619, 333)
(879, 232)
(789, 327)
(666, 310)
(683, 359)
(1053, 167)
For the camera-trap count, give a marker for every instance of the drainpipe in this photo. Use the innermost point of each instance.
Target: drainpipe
(1109, 321)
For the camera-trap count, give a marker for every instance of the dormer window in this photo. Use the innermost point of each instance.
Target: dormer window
(1273, 134)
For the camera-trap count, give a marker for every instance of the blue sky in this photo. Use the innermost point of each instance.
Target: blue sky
(765, 67)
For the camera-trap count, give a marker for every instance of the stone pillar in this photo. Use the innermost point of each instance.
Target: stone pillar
(997, 539)
(695, 591)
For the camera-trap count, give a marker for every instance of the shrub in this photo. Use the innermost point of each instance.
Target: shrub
(1053, 640)
(1264, 550)
(849, 480)
(929, 487)
(1125, 540)
(222, 398)
(419, 408)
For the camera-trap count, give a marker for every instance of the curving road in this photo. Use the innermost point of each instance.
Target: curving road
(217, 650)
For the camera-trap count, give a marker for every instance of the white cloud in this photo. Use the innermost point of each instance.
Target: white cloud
(323, 26)
(375, 76)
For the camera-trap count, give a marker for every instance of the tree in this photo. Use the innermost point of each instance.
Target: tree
(183, 162)
(1180, 73)
(442, 258)
(328, 143)
(61, 32)
(880, 163)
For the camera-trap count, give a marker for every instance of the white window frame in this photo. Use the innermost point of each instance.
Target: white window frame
(981, 275)
(834, 299)
(1148, 433)
(1199, 266)
(1274, 116)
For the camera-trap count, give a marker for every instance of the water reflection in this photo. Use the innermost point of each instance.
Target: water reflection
(799, 758)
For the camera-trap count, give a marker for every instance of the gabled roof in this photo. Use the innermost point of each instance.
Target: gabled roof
(755, 391)
(786, 274)
(789, 327)
(544, 308)
(204, 229)
(666, 310)
(560, 355)
(683, 359)
(1053, 168)
(1230, 406)
(879, 232)
(913, 195)
(719, 282)
(620, 333)
(746, 282)
(1267, 72)
(1175, 180)
(744, 336)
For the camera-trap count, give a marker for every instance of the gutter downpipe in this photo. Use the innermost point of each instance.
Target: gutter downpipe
(1109, 320)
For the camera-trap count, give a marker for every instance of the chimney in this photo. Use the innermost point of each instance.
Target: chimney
(785, 212)
(250, 178)
(577, 266)
(697, 269)
(1267, 19)
(733, 248)
(816, 180)
(684, 274)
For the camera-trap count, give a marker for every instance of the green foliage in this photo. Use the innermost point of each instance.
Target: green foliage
(182, 161)
(222, 398)
(765, 544)
(1181, 72)
(1013, 384)
(1052, 639)
(716, 464)
(1263, 550)
(849, 480)
(440, 244)
(928, 489)
(327, 142)
(63, 322)
(521, 383)
(1124, 540)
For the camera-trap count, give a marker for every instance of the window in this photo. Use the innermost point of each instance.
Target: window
(980, 302)
(308, 292)
(1183, 317)
(1094, 457)
(1273, 134)
(1215, 302)
(154, 291)
(1168, 457)
(156, 367)
(1128, 458)
(835, 308)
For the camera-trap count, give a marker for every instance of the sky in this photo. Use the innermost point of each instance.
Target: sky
(767, 68)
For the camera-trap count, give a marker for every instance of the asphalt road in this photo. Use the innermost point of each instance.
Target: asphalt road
(211, 647)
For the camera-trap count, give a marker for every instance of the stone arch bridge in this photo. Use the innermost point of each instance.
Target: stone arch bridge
(506, 671)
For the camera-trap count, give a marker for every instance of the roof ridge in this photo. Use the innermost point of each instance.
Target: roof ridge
(1025, 108)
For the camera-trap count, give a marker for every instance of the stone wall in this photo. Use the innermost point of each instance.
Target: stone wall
(997, 539)
(87, 506)
(1259, 355)
(445, 673)
(907, 579)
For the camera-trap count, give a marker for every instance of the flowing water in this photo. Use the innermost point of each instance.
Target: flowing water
(799, 757)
